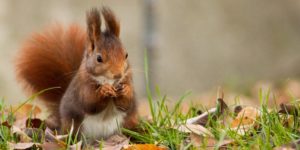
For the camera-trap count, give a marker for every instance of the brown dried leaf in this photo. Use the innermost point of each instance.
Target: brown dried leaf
(212, 113)
(144, 147)
(203, 118)
(290, 146)
(51, 137)
(223, 106)
(287, 120)
(114, 142)
(288, 109)
(52, 146)
(26, 110)
(237, 110)
(247, 116)
(23, 146)
(34, 133)
(194, 128)
(198, 141)
(21, 114)
(24, 138)
(6, 124)
(208, 142)
(245, 120)
(35, 123)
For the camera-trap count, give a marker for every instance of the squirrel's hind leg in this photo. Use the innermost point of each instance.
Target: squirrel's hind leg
(53, 121)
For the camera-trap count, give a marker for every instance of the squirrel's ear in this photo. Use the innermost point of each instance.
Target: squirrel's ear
(93, 27)
(112, 24)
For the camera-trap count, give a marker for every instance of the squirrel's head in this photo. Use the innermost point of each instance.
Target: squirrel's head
(105, 57)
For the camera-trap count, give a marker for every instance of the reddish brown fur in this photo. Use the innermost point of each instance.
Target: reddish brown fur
(112, 25)
(66, 58)
(50, 59)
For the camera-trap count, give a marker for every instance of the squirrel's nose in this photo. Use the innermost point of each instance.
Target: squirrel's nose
(118, 76)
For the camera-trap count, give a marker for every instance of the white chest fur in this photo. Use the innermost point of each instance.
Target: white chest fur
(103, 124)
(103, 80)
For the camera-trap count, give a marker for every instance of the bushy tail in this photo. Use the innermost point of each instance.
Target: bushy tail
(50, 59)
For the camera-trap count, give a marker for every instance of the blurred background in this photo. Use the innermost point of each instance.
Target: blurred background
(193, 45)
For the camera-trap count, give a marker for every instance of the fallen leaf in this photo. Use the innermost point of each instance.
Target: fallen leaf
(287, 120)
(211, 113)
(23, 112)
(200, 141)
(23, 146)
(76, 146)
(6, 124)
(245, 120)
(143, 147)
(35, 123)
(237, 110)
(114, 142)
(247, 116)
(222, 106)
(51, 146)
(194, 128)
(290, 146)
(51, 137)
(24, 138)
(288, 109)
(34, 133)
(26, 110)
(209, 142)
(203, 118)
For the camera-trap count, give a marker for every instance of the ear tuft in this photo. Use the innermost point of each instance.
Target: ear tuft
(93, 25)
(112, 24)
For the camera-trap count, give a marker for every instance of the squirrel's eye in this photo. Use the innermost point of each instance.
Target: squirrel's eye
(99, 59)
(126, 55)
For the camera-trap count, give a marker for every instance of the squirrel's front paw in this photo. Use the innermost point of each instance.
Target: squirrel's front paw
(107, 90)
(123, 89)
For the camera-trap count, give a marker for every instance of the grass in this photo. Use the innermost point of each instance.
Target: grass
(271, 131)
(160, 130)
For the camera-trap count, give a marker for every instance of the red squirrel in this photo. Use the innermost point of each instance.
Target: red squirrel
(91, 69)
